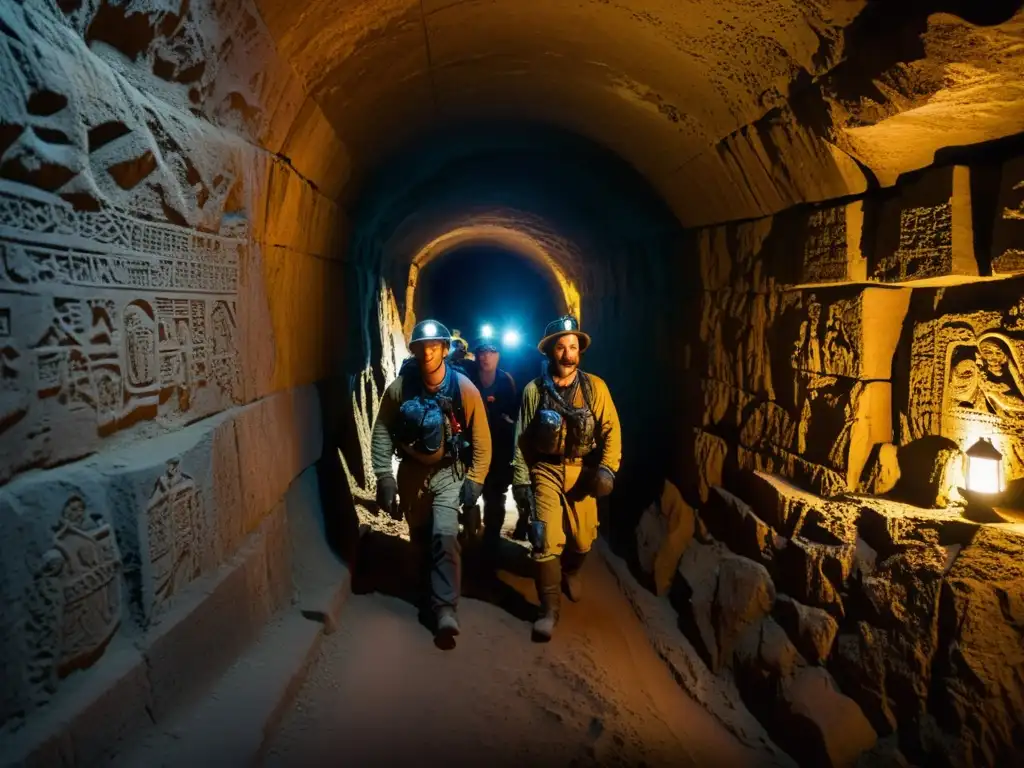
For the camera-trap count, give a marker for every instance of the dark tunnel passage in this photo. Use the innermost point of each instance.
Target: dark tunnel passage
(793, 230)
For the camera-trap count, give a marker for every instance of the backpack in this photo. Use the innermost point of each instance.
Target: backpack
(433, 419)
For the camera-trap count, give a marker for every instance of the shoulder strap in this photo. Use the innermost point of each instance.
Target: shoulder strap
(588, 391)
(455, 395)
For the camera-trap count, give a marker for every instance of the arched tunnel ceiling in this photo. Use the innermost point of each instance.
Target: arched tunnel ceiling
(751, 98)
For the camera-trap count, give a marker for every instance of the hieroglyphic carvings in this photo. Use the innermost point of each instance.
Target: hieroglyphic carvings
(925, 245)
(1008, 229)
(967, 381)
(119, 317)
(836, 352)
(74, 600)
(825, 251)
(174, 527)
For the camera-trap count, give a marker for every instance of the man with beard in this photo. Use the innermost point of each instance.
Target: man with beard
(568, 448)
(498, 390)
(434, 416)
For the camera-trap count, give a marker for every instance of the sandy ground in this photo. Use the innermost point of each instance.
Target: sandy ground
(381, 693)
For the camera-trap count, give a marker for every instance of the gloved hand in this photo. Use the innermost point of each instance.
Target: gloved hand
(523, 497)
(602, 482)
(387, 496)
(537, 534)
(470, 492)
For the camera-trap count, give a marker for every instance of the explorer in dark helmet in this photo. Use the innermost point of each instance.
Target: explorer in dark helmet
(567, 450)
(433, 418)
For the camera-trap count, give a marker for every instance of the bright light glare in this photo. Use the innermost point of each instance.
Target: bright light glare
(983, 475)
(567, 325)
(487, 331)
(510, 339)
(430, 329)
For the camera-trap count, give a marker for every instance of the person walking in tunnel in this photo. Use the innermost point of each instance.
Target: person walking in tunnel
(567, 449)
(434, 418)
(498, 390)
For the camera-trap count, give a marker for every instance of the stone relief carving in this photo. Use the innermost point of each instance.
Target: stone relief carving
(74, 601)
(835, 351)
(967, 381)
(174, 527)
(139, 319)
(1008, 229)
(825, 247)
(925, 245)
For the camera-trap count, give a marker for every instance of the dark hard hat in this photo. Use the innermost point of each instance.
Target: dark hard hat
(484, 345)
(430, 330)
(563, 326)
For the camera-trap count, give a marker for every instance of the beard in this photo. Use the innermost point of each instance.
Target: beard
(564, 366)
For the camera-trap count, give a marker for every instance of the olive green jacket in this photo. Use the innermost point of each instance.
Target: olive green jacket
(609, 434)
(382, 446)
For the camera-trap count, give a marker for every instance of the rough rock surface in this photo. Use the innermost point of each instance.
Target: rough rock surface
(664, 532)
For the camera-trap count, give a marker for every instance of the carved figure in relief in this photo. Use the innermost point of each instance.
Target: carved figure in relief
(175, 529)
(224, 355)
(140, 345)
(74, 603)
(807, 350)
(988, 378)
(840, 357)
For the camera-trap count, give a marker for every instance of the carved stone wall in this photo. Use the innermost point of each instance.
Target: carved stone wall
(925, 231)
(1008, 229)
(169, 253)
(961, 375)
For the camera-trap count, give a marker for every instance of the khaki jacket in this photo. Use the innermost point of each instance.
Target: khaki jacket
(609, 434)
(382, 446)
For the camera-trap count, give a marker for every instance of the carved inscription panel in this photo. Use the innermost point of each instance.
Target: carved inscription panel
(73, 603)
(967, 381)
(106, 321)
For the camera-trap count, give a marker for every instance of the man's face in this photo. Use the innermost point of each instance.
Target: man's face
(566, 354)
(488, 360)
(429, 355)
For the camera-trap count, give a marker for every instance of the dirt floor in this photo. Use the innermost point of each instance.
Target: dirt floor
(381, 692)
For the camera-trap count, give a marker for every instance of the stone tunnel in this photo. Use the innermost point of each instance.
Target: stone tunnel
(795, 231)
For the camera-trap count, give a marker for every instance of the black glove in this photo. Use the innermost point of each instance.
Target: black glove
(523, 497)
(602, 482)
(470, 493)
(387, 496)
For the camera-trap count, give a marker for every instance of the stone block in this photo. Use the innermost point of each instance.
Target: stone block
(819, 725)
(719, 596)
(963, 376)
(832, 245)
(663, 534)
(812, 630)
(316, 152)
(710, 452)
(984, 675)
(931, 469)
(889, 527)
(813, 573)
(731, 256)
(926, 231)
(835, 424)
(734, 345)
(732, 522)
(201, 635)
(62, 577)
(778, 502)
(166, 498)
(1008, 228)
(256, 331)
(723, 404)
(298, 217)
(849, 332)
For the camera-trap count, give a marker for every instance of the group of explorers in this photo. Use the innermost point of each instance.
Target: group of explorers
(460, 432)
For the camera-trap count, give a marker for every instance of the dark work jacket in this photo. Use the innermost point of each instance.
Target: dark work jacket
(501, 402)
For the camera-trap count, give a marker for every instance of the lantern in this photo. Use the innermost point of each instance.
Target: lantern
(984, 467)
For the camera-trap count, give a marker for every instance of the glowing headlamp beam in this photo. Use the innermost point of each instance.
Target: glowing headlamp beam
(487, 331)
(510, 338)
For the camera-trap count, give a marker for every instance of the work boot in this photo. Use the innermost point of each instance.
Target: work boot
(447, 623)
(550, 596)
(572, 582)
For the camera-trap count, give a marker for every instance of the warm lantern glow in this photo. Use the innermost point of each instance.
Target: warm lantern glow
(984, 467)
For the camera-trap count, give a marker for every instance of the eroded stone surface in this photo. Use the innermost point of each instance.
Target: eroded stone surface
(664, 532)
(812, 630)
(1008, 229)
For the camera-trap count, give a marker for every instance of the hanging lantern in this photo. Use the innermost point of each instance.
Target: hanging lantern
(984, 467)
